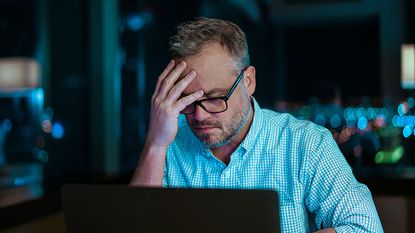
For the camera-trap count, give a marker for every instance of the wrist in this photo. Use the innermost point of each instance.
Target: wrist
(154, 149)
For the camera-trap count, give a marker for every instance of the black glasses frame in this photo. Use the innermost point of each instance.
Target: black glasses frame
(225, 98)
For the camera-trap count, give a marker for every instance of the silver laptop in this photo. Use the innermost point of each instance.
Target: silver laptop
(125, 209)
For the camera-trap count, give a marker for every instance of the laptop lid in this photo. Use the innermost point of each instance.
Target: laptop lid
(122, 209)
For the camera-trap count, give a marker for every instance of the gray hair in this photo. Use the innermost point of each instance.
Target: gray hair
(191, 36)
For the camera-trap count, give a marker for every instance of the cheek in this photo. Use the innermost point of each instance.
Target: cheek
(236, 103)
(227, 117)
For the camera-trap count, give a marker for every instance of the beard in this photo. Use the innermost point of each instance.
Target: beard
(229, 129)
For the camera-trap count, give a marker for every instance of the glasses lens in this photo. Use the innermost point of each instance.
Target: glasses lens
(214, 105)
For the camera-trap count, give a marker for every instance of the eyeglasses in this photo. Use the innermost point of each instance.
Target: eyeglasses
(216, 104)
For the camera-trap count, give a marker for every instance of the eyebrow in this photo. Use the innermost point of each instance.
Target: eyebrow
(216, 91)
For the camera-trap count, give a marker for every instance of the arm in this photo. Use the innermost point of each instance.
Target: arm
(163, 127)
(150, 168)
(334, 197)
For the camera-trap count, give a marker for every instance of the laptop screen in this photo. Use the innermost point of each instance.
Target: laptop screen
(98, 208)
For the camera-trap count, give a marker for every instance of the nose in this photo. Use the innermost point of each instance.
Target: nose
(200, 114)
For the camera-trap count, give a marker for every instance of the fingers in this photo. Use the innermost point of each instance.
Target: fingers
(162, 76)
(177, 90)
(170, 79)
(168, 91)
(183, 102)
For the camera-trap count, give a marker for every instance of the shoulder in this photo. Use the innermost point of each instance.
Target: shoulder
(288, 124)
(297, 137)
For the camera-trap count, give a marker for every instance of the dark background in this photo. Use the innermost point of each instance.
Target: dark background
(100, 61)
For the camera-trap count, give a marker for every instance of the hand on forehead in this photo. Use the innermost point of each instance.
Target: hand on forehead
(214, 67)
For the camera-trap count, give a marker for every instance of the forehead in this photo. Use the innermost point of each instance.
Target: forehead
(214, 67)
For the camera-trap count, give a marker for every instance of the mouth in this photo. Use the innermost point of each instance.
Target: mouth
(204, 129)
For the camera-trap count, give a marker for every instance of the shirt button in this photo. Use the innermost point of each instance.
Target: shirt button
(226, 174)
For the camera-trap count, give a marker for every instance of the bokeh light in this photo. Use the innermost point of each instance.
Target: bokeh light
(320, 119)
(395, 121)
(411, 102)
(361, 112)
(43, 156)
(6, 125)
(47, 126)
(335, 121)
(407, 131)
(380, 121)
(57, 130)
(402, 109)
(362, 123)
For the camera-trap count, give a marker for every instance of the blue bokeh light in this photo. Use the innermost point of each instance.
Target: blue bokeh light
(401, 109)
(395, 121)
(411, 102)
(135, 22)
(400, 121)
(320, 119)
(57, 130)
(20, 181)
(407, 131)
(347, 113)
(350, 123)
(6, 125)
(371, 113)
(42, 156)
(362, 123)
(361, 112)
(335, 121)
(40, 96)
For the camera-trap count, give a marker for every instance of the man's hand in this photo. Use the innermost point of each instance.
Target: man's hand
(164, 117)
(166, 105)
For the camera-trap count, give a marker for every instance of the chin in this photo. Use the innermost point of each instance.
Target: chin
(217, 143)
(211, 141)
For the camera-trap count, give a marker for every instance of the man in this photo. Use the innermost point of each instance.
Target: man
(228, 141)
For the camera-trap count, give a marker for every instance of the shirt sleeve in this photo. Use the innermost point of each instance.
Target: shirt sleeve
(165, 175)
(333, 196)
(165, 184)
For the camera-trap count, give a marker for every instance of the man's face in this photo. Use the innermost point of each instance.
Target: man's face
(215, 75)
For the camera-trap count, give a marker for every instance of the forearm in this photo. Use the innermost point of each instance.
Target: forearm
(166, 106)
(150, 168)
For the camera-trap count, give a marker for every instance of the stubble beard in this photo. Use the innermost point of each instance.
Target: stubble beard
(229, 130)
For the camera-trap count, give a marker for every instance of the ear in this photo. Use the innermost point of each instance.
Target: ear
(250, 79)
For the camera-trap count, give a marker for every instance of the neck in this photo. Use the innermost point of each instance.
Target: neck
(223, 153)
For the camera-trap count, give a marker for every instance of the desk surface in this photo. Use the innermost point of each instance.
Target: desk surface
(50, 224)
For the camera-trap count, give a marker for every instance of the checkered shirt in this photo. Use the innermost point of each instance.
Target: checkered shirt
(296, 158)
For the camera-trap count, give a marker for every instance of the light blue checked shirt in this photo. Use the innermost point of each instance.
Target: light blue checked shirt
(298, 159)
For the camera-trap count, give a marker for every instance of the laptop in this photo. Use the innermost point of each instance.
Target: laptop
(126, 209)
